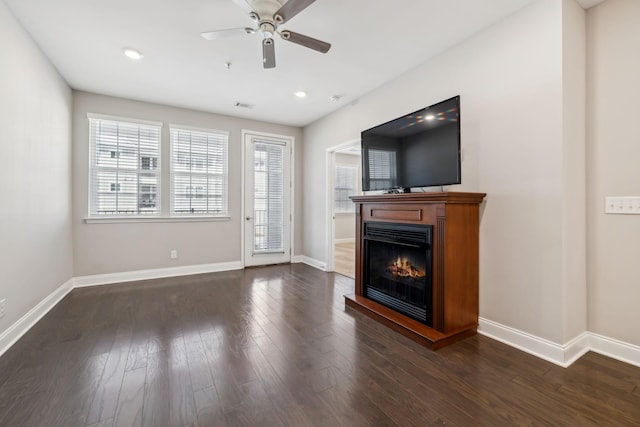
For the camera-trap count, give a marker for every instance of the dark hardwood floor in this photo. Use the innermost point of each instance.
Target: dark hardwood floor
(275, 346)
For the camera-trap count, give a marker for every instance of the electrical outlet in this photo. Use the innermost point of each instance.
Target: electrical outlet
(3, 305)
(174, 254)
(629, 205)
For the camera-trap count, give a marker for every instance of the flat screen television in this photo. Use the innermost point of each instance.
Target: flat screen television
(421, 149)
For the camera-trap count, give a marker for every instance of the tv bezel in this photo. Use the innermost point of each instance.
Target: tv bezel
(365, 184)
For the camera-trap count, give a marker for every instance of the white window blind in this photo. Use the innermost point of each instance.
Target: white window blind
(198, 172)
(268, 197)
(124, 168)
(382, 169)
(345, 185)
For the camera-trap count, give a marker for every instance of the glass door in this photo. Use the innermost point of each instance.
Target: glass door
(267, 199)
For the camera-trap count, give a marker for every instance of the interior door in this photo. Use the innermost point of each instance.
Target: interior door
(267, 205)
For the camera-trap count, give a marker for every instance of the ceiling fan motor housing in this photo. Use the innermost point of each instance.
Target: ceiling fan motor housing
(266, 8)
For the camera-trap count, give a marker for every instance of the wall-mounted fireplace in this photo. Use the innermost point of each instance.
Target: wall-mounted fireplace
(397, 268)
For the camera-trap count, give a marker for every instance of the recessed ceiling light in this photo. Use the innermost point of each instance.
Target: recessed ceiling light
(335, 98)
(301, 94)
(429, 117)
(133, 54)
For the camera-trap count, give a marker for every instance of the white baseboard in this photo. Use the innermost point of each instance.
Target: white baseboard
(347, 240)
(576, 348)
(310, 261)
(157, 273)
(615, 349)
(528, 343)
(562, 355)
(26, 322)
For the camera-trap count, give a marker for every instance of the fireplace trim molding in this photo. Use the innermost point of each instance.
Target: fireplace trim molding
(455, 219)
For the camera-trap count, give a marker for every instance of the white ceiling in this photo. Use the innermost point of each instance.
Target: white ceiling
(373, 42)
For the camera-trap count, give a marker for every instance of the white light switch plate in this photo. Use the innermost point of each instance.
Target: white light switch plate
(629, 205)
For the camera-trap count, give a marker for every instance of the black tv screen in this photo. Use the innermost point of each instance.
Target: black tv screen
(421, 149)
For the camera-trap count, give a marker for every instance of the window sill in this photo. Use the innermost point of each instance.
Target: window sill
(345, 213)
(152, 219)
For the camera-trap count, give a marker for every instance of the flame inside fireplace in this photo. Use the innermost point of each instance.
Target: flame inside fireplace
(402, 267)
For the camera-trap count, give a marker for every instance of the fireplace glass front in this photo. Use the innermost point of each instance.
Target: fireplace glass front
(397, 268)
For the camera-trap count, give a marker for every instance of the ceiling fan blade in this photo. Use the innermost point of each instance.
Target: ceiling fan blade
(290, 9)
(306, 41)
(220, 34)
(268, 53)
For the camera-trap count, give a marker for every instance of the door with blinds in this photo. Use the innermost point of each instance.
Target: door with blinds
(267, 205)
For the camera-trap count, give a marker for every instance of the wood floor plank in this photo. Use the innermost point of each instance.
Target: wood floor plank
(105, 400)
(155, 410)
(131, 399)
(257, 408)
(105, 423)
(275, 346)
(199, 367)
(71, 400)
(138, 351)
(290, 412)
(181, 402)
(209, 408)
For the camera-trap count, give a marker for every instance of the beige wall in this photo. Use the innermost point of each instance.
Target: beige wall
(613, 153)
(574, 227)
(35, 177)
(111, 248)
(510, 79)
(345, 227)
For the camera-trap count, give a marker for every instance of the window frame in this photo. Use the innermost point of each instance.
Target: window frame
(93, 168)
(224, 213)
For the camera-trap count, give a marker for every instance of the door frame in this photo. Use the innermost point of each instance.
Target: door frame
(330, 220)
(291, 140)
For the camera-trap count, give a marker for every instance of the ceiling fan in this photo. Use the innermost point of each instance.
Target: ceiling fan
(267, 15)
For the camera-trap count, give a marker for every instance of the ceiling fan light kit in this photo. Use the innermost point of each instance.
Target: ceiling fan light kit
(268, 14)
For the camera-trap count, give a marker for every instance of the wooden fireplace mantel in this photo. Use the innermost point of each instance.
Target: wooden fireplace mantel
(455, 219)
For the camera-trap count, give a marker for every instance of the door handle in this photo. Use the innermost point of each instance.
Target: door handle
(248, 218)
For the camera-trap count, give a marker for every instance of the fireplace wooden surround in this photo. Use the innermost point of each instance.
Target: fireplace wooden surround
(455, 219)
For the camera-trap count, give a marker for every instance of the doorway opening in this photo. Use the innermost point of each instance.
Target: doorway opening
(344, 173)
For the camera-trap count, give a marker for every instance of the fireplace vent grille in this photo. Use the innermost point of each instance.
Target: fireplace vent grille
(415, 234)
(410, 310)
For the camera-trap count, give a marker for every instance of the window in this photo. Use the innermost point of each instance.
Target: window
(198, 172)
(345, 185)
(124, 172)
(268, 196)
